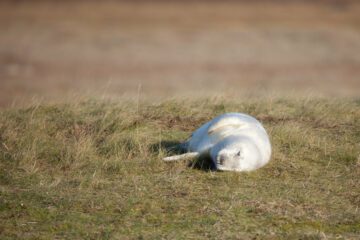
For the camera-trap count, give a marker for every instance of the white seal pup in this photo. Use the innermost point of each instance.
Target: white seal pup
(233, 141)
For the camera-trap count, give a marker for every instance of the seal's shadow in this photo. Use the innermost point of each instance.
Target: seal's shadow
(171, 148)
(203, 163)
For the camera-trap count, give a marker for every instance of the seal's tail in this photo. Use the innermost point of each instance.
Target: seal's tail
(190, 155)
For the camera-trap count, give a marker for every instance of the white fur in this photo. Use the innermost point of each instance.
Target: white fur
(234, 141)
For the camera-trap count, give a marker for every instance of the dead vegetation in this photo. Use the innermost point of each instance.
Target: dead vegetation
(53, 49)
(93, 169)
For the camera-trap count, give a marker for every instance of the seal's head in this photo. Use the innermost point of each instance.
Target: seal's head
(240, 155)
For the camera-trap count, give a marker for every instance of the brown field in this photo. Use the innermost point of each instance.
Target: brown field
(89, 165)
(52, 50)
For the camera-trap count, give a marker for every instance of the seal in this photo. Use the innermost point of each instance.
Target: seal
(233, 141)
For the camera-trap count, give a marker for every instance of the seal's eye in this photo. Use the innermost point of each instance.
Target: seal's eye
(238, 154)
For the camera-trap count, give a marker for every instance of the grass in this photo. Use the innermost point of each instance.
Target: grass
(92, 169)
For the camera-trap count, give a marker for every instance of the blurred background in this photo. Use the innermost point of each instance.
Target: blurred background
(57, 49)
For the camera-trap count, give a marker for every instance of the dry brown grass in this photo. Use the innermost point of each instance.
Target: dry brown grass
(50, 49)
(93, 169)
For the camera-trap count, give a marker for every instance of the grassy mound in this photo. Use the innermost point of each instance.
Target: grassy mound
(93, 170)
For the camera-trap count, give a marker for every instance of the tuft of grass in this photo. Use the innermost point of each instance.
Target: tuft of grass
(93, 169)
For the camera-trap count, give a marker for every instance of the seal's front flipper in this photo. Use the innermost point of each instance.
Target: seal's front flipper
(185, 156)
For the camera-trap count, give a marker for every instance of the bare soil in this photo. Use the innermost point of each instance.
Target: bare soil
(50, 49)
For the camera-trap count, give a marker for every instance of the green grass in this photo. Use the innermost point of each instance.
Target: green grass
(93, 169)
